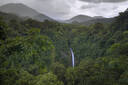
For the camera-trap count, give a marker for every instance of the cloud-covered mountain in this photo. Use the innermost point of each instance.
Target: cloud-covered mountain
(18, 9)
(7, 17)
(41, 17)
(23, 11)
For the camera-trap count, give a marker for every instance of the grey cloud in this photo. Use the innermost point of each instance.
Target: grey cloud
(103, 9)
(65, 9)
(87, 6)
(53, 8)
(97, 1)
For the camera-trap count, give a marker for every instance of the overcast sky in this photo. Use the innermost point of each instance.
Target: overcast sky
(65, 9)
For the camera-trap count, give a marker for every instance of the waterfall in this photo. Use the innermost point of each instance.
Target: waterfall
(73, 60)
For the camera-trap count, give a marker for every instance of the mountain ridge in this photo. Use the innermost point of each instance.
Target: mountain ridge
(83, 18)
(22, 10)
(79, 18)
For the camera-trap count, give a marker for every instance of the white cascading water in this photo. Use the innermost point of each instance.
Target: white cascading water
(73, 60)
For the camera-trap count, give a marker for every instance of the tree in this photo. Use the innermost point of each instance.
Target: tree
(47, 79)
(59, 70)
(24, 51)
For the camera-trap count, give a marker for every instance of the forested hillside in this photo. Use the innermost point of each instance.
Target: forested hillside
(38, 53)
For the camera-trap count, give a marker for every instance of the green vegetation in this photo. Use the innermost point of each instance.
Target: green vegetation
(38, 53)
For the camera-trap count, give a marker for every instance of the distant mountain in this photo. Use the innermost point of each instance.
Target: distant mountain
(100, 20)
(97, 17)
(7, 17)
(79, 18)
(18, 9)
(127, 9)
(41, 17)
(23, 11)
(83, 18)
(87, 20)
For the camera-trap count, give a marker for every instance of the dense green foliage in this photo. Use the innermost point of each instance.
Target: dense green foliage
(38, 53)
